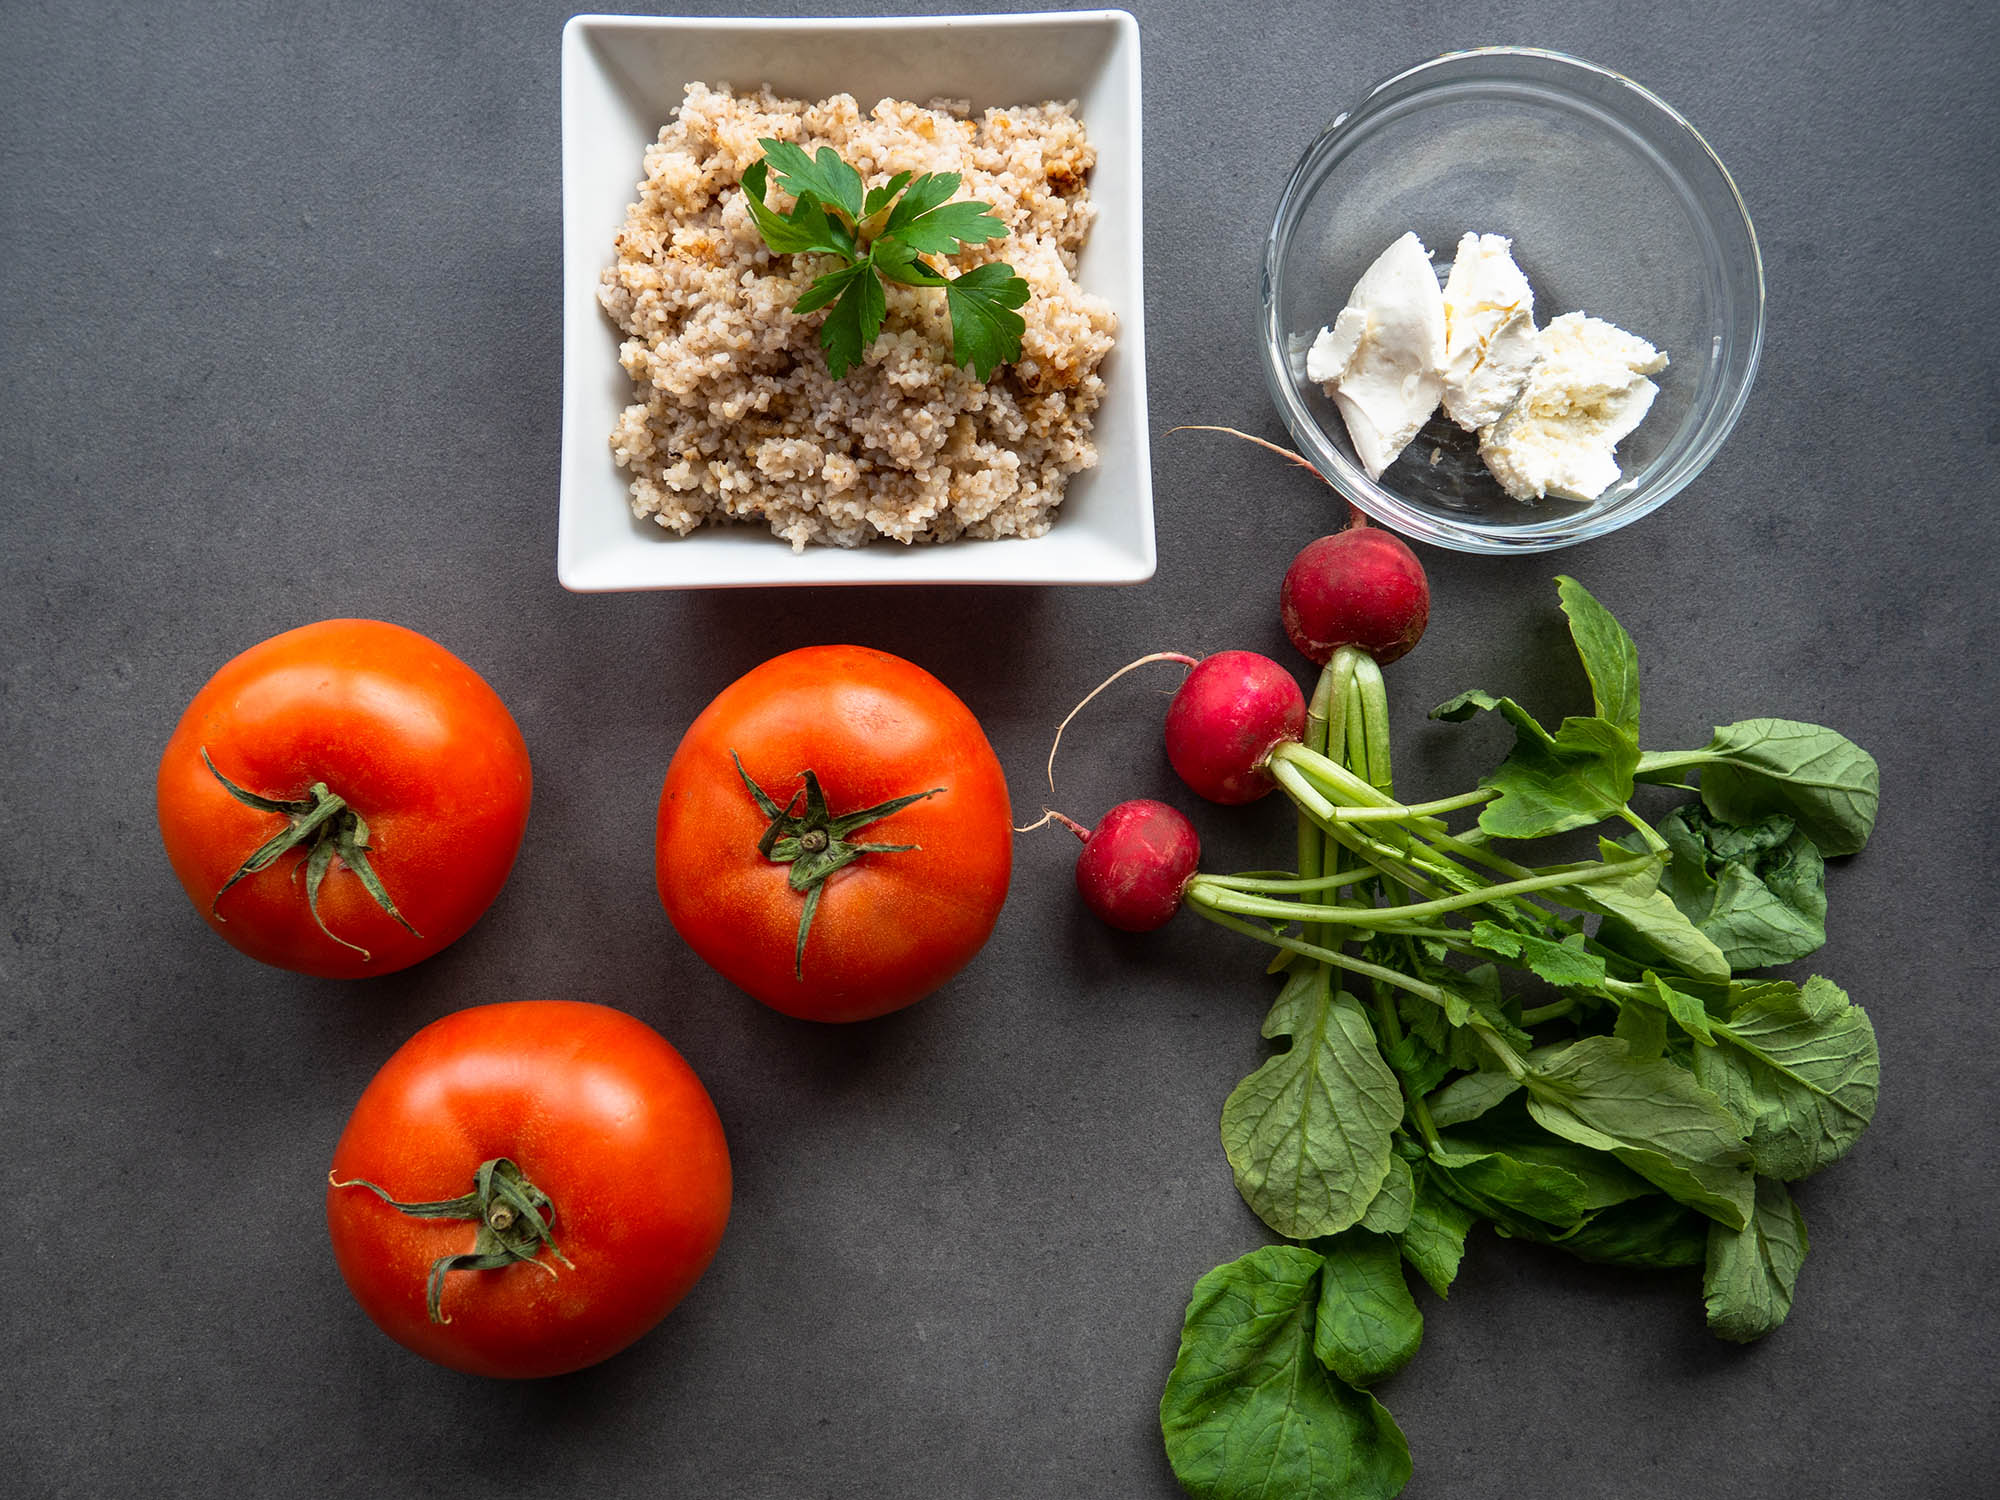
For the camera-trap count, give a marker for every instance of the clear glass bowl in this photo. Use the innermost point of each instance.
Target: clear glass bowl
(1616, 207)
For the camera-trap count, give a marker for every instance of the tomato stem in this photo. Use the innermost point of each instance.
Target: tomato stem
(323, 825)
(513, 1217)
(814, 842)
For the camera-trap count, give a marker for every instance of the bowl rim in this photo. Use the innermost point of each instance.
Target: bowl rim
(1384, 505)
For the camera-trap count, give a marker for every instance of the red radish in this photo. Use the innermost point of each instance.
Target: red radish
(1224, 722)
(1135, 864)
(1360, 587)
(1221, 727)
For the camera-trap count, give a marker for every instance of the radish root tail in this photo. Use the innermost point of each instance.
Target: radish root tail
(1174, 656)
(1050, 815)
(1355, 517)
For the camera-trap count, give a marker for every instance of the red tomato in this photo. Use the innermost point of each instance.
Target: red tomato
(430, 767)
(891, 924)
(620, 1149)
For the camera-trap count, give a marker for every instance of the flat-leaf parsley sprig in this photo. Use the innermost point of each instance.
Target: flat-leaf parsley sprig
(883, 234)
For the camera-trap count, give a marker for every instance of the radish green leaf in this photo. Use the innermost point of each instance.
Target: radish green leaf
(1250, 1413)
(1799, 1068)
(1308, 1133)
(1829, 784)
(1368, 1326)
(1751, 1271)
(1652, 1115)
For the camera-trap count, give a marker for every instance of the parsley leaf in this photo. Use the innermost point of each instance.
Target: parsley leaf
(931, 226)
(807, 230)
(984, 327)
(924, 194)
(856, 317)
(882, 235)
(826, 289)
(898, 262)
(879, 198)
(824, 177)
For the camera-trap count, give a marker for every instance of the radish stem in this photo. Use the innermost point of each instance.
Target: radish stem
(1249, 905)
(1646, 830)
(1553, 1011)
(1374, 718)
(1287, 885)
(1385, 859)
(1331, 956)
(1413, 811)
(1332, 774)
(1314, 853)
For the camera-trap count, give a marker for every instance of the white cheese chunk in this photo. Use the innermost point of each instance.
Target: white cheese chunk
(1333, 350)
(1582, 397)
(1382, 360)
(1489, 329)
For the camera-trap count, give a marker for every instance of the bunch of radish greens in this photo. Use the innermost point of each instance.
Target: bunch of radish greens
(1574, 1053)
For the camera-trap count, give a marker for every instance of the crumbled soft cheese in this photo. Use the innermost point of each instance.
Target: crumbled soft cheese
(1382, 360)
(1584, 395)
(1489, 330)
(1331, 353)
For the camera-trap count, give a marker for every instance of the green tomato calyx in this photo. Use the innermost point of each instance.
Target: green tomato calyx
(324, 826)
(514, 1218)
(806, 835)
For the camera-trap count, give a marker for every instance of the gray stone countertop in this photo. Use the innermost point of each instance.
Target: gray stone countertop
(279, 341)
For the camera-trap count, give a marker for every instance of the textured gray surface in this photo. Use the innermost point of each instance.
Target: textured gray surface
(278, 341)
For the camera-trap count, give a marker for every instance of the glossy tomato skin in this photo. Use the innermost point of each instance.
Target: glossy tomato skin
(408, 734)
(890, 928)
(597, 1110)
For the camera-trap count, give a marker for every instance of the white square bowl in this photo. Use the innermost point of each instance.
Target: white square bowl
(622, 77)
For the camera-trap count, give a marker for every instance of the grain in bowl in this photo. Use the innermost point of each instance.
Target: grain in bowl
(736, 417)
